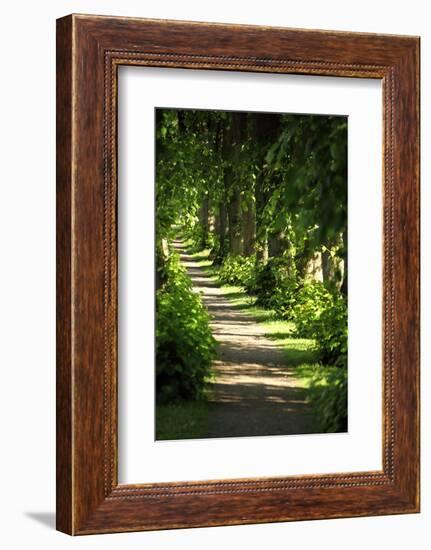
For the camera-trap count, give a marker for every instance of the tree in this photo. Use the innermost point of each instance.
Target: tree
(261, 184)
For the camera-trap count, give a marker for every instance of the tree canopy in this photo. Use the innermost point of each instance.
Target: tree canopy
(265, 196)
(269, 185)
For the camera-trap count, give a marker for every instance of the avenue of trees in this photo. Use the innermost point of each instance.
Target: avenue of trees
(267, 194)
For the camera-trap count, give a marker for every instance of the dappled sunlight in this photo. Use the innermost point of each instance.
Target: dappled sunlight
(251, 269)
(254, 391)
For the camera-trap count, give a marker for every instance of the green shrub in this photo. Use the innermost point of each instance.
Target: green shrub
(284, 298)
(236, 270)
(321, 315)
(198, 238)
(311, 300)
(262, 284)
(328, 395)
(218, 252)
(185, 346)
(271, 281)
(332, 333)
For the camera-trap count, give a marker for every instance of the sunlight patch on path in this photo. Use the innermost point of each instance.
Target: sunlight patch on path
(255, 392)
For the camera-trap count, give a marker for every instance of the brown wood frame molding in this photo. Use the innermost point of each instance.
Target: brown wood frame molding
(89, 51)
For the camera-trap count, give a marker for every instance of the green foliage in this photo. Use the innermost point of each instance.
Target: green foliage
(262, 284)
(216, 171)
(318, 316)
(236, 270)
(333, 334)
(311, 300)
(328, 395)
(185, 346)
(188, 167)
(317, 313)
(322, 315)
(310, 157)
(275, 286)
(196, 238)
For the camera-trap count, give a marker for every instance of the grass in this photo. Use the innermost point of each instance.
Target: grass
(315, 374)
(300, 353)
(182, 420)
(236, 294)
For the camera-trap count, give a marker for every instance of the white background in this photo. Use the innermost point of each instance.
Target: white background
(27, 123)
(141, 458)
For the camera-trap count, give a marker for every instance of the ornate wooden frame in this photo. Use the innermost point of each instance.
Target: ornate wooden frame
(89, 51)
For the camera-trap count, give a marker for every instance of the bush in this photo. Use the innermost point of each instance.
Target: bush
(328, 395)
(311, 300)
(217, 252)
(198, 239)
(236, 270)
(273, 284)
(321, 315)
(185, 346)
(284, 298)
(332, 333)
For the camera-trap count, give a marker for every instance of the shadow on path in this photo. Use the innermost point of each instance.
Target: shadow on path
(255, 392)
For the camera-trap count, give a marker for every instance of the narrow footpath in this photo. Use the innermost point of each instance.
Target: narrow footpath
(255, 392)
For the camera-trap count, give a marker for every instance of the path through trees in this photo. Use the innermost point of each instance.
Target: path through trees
(264, 195)
(254, 392)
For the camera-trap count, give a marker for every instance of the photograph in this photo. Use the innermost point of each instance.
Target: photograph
(251, 246)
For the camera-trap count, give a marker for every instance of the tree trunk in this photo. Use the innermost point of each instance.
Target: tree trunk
(234, 213)
(220, 223)
(203, 221)
(327, 268)
(225, 146)
(265, 128)
(235, 137)
(261, 234)
(276, 244)
(249, 228)
(302, 260)
(222, 228)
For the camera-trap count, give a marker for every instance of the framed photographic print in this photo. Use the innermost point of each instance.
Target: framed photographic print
(237, 274)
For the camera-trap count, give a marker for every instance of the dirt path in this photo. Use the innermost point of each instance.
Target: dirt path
(255, 393)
